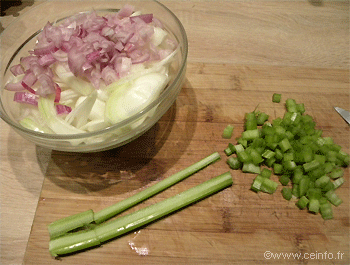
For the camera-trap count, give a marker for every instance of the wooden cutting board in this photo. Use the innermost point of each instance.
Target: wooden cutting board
(235, 226)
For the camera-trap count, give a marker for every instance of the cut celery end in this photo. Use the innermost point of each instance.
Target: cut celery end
(73, 242)
(67, 224)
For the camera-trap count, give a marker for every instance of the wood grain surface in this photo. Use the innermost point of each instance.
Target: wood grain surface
(240, 53)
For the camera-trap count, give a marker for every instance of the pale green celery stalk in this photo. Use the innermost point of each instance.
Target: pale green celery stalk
(69, 223)
(109, 230)
(121, 206)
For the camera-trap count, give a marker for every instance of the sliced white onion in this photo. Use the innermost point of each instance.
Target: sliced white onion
(130, 99)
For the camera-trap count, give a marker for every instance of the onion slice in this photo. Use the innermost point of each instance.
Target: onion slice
(130, 98)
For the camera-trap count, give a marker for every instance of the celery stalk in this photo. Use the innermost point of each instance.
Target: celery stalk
(109, 230)
(111, 211)
(67, 224)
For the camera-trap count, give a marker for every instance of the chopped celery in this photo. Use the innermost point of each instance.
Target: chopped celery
(284, 179)
(338, 182)
(242, 142)
(239, 148)
(268, 186)
(228, 131)
(262, 118)
(326, 210)
(333, 198)
(276, 98)
(297, 153)
(291, 105)
(287, 193)
(256, 185)
(270, 161)
(268, 154)
(303, 186)
(244, 156)
(234, 163)
(285, 145)
(295, 190)
(266, 173)
(251, 168)
(314, 193)
(232, 147)
(228, 151)
(302, 202)
(289, 165)
(277, 169)
(311, 165)
(255, 156)
(314, 206)
(250, 134)
(250, 121)
(336, 173)
(322, 181)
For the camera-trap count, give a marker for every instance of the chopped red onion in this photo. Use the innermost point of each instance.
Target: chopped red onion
(58, 93)
(93, 56)
(26, 97)
(95, 48)
(109, 75)
(28, 61)
(147, 18)
(46, 59)
(14, 86)
(47, 86)
(17, 70)
(45, 49)
(126, 11)
(63, 109)
(31, 90)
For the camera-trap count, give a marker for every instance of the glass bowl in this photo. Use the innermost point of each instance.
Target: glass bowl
(20, 36)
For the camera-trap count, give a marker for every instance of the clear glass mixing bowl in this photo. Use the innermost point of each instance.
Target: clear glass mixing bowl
(20, 36)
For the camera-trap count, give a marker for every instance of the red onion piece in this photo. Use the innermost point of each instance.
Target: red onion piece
(26, 97)
(147, 18)
(14, 86)
(31, 90)
(109, 75)
(93, 56)
(47, 86)
(46, 60)
(63, 109)
(28, 61)
(126, 11)
(17, 70)
(58, 93)
(46, 49)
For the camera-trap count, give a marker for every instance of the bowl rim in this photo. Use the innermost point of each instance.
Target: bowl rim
(117, 125)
